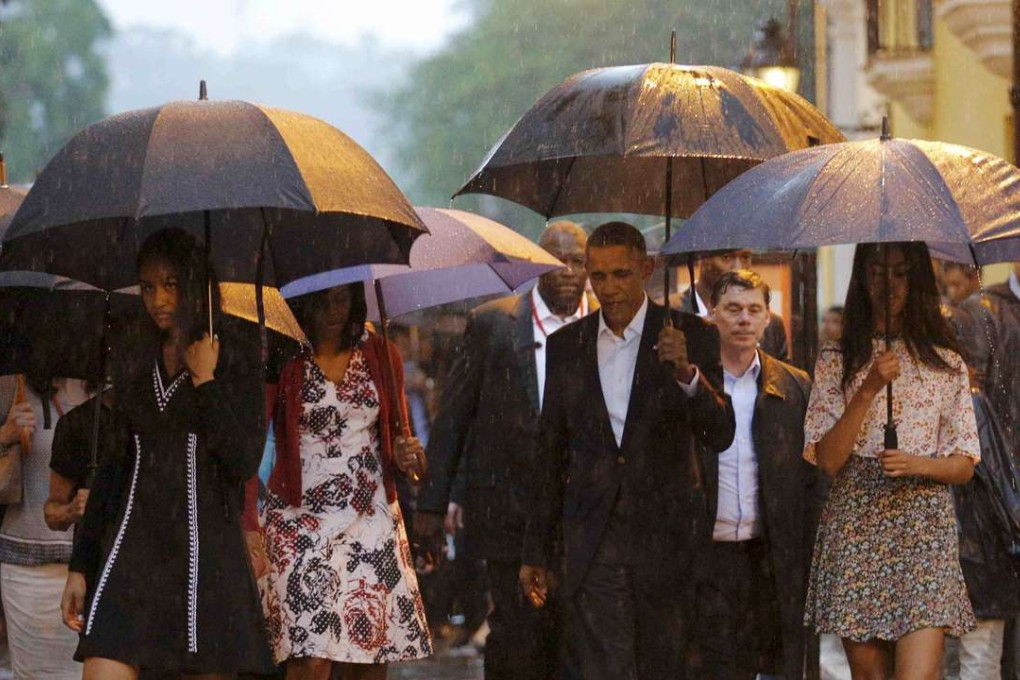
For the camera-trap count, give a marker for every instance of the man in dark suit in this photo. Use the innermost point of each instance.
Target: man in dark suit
(616, 480)
(489, 416)
(710, 268)
(762, 503)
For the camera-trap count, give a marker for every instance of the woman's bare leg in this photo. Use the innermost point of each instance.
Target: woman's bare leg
(363, 671)
(308, 669)
(868, 660)
(96, 668)
(919, 654)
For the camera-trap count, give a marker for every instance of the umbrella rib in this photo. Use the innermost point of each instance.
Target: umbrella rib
(559, 190)
(145, 163)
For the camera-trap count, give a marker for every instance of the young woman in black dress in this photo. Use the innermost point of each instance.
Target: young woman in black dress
(159, 576)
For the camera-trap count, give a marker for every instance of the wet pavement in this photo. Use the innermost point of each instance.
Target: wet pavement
(462, 663)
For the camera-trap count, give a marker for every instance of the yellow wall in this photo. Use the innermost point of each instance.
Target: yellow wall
(902, 124)
(971, 103)
(971, 107)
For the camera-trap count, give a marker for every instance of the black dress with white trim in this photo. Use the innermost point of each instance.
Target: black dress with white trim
(169, 584)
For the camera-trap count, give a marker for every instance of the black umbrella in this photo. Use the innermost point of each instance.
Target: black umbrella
(964, 203)
(250, 178)
(655, 139)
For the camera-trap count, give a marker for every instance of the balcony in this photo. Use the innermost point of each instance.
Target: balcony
(984, 26)
(907, 77)
(899, 54)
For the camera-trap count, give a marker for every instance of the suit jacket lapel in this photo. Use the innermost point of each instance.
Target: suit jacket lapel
(524, 348)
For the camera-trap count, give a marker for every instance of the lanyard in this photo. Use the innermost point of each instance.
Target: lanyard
(583, 307)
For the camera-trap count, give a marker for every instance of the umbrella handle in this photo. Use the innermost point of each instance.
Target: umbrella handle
(403, 421)
(20, 398)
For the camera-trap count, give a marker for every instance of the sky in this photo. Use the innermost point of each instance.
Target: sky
(224, 25)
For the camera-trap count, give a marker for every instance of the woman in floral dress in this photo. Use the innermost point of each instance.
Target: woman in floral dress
(886, 574)
(341, 585)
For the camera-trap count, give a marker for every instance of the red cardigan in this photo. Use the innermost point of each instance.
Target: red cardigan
(285, 479)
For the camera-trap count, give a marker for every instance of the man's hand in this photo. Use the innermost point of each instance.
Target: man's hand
(454, 519)
(535, 584)
(76, 508)
(672, 348)
(72, 603)
(20, 419)
(429, 535)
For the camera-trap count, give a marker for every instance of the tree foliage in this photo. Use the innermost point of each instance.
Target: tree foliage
(52, 77)
(455, 104)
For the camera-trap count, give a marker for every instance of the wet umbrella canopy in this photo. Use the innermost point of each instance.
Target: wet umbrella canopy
(599, 141)
(319, 199)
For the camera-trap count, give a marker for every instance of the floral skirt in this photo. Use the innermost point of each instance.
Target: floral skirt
(350, 596)
(886, 560)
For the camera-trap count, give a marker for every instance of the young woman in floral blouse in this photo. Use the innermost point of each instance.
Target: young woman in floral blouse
(341, 585)
(886, 574)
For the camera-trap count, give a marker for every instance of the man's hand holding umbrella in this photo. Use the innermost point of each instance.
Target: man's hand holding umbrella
(672, 349)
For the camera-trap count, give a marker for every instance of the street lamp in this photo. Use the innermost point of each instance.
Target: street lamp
(772, 58)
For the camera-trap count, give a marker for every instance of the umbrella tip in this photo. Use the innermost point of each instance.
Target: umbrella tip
(886, 135)
(672, 47)
(203, 93)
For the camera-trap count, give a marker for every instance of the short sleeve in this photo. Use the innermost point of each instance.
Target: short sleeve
(826, 403)
(957, 424)
(68, 459)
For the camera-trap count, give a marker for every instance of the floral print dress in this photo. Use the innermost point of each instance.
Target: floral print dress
(886, 559)
(341, 584)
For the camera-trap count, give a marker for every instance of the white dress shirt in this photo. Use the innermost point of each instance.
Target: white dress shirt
(617, 358)
(737, 515)
(702, 307)
(1014, 284)
(543, 324)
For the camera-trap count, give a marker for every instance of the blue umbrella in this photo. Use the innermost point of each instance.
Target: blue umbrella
(964, 203)
(463, 256)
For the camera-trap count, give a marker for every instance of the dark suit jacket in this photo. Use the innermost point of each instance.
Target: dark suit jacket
(773, 341)
(582, 470)
(488, 419)
(790, 497)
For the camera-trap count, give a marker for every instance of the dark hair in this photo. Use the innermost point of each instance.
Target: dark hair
(186, 256)
(745, 279)
(617, 234)
(924, 328)
(305, 307)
